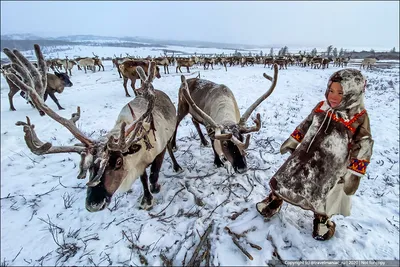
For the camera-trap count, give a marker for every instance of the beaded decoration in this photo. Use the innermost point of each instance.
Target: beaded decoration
(297, 135)
(358, 165)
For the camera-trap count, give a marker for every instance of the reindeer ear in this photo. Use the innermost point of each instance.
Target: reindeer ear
(141, 73)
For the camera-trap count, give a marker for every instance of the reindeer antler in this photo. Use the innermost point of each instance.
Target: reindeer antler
(121, 144)
(38, 78)
(38, 147)
(248, 112)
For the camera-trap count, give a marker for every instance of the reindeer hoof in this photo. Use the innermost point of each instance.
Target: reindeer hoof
(12, 109)
(155, 188)
(218, 164)
(146, 203)
(178, 169)
(206, 143)
(128, 95)
(61, 108)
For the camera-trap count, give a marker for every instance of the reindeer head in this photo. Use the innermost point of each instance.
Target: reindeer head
(104, 159)
(228, 137)
(64, 79)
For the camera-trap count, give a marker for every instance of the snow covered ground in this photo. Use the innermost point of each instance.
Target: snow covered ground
(43, 215)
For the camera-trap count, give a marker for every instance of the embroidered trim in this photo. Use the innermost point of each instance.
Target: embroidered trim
(347, 124)
(358, 165)
(297, 135)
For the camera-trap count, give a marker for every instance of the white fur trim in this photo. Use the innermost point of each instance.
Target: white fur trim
(355, 173)
(294, 140)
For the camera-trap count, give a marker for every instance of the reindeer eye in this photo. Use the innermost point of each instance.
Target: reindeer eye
(225, 144)
(118, 164)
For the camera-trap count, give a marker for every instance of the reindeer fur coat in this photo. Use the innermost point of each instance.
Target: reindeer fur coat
(328, 147)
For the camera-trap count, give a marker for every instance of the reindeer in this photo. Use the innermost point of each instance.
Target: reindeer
(97, 61)
(282, 62)
(87, 63)
(214, 106)
(114, 163)
(67, 64)
(207, 61)
(55, 84)
(163, 61)
(325, 62)
(185, 62)
(369, 61)
(118, 60)
(128, 70)
(246, 61)
(268, 61)
(316, 62)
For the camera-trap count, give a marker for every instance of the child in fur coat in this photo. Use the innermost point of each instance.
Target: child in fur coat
(330, 151)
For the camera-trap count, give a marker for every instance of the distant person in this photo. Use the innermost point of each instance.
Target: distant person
(330, 151)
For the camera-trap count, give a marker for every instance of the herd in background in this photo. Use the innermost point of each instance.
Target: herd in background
(126, 67)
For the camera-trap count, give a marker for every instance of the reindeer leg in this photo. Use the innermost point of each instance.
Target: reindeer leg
(133, 82)
(188, 69)
(154, 172)
(167, 69)
(183, 110)
(176, 166)
(11, 94)
(204, 142)
(52, 96)
(217, 160)
(147, 199)
(126, 90)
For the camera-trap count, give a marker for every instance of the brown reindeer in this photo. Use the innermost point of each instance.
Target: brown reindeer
(97, 61)
(214, 106)
(185, 62)
(67, 64)
(128, 71)
(281, 62)
(207, 61)
(55, 84)
(163, 61)
(268, 61)
(138, 139)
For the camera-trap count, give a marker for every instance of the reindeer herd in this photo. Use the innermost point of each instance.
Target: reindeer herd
(146, 126)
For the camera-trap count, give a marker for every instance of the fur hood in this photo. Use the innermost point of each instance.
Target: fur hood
(353, 84)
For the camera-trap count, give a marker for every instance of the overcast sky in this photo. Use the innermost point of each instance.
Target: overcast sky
(367, 24)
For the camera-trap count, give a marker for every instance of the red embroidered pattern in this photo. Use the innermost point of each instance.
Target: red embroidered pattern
(358, 165)
(347, 124)
(297, 135)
